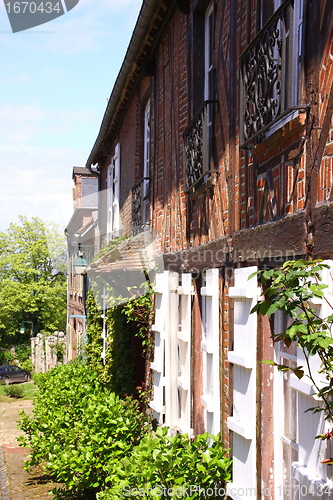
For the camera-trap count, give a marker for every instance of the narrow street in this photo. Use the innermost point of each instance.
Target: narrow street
(15, 482)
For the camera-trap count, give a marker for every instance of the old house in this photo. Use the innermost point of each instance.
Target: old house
(81, 233)
(217, 141)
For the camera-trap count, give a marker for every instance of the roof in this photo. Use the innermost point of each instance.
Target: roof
(134, 254)
(83, 171)
(75, 223)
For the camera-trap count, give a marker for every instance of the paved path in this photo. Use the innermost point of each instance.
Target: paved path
(15, 482)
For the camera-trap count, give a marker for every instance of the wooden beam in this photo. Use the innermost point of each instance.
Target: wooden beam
(324, 230)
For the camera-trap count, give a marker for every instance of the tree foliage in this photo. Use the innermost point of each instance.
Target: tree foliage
(32, 279)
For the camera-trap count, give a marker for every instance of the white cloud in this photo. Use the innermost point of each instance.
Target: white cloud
(84, 28)
(36, 182)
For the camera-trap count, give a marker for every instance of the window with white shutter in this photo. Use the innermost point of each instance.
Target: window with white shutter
(171, 367)
(183, 343)
(160, 332)
(113, 192)
(243, 356)
(210, 346)
(298, 469)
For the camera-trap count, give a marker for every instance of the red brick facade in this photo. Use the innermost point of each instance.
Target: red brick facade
(265, 198)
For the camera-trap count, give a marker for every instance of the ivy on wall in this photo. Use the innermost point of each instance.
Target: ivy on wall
(123, 322)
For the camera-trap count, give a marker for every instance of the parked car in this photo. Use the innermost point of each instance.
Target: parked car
(12, 373)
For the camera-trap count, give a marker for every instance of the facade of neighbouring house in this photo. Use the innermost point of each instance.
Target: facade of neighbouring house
(81, 233)
(218, 142)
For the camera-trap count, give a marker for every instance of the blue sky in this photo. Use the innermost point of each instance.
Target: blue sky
(55, 80)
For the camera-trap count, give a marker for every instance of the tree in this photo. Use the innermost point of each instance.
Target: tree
(32, 279)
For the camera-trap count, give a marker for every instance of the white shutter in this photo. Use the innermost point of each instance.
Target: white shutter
(243, 422)
(183, 343)
(113, 193)
(160, 333)
(210, 346)
(116, 192)
(164, 366)
(308, 470)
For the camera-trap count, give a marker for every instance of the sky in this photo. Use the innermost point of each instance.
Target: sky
(55, 80)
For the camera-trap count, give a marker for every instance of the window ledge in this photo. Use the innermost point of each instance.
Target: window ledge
(313, 483)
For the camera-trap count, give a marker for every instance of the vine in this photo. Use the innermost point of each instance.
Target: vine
(292, 289)
(140, 311)
(123, 321)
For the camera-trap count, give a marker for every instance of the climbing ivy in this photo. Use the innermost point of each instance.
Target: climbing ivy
(94, 343)
(140, 311)
(123, 321)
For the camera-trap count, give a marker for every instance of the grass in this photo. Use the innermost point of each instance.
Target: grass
(29, 389)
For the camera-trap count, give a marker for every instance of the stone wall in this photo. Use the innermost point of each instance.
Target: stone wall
(44, 351)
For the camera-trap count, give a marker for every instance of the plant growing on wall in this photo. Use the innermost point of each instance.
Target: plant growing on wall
(122, 321)
(292, 289)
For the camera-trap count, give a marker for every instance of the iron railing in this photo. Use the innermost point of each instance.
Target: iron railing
(140, 204)
(198, 143)
(269, 70)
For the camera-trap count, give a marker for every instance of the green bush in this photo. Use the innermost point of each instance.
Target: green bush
(79, 430)
(22, 353)
(6, 357)
(14, 391)
(27, 365)
(163, 466)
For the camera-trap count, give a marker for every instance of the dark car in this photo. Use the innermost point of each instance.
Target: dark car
(12, 373)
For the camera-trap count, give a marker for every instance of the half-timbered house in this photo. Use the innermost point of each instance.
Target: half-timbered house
(218, 140)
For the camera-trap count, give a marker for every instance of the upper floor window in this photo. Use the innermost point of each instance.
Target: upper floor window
(199, 135)
(113, 190)
(270, 67)
(209, 53)
(141, 190)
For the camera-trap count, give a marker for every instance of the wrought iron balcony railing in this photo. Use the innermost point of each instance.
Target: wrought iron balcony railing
(198, 142)
(270, 72)
(140, 204)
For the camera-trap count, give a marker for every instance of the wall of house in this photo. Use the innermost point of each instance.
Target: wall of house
(269, 199)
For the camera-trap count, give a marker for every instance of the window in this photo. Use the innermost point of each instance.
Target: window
(270, 68)
(267, 9)
(146, 165)
(141, 190)
(298, 455)
(209, 54)
(199, 135)
(113, 176)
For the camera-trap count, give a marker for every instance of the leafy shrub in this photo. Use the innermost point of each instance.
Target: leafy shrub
(6, 357)
(14, 391)
(163, 466)
(22, 353)
(27, 365)
(79, 429)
